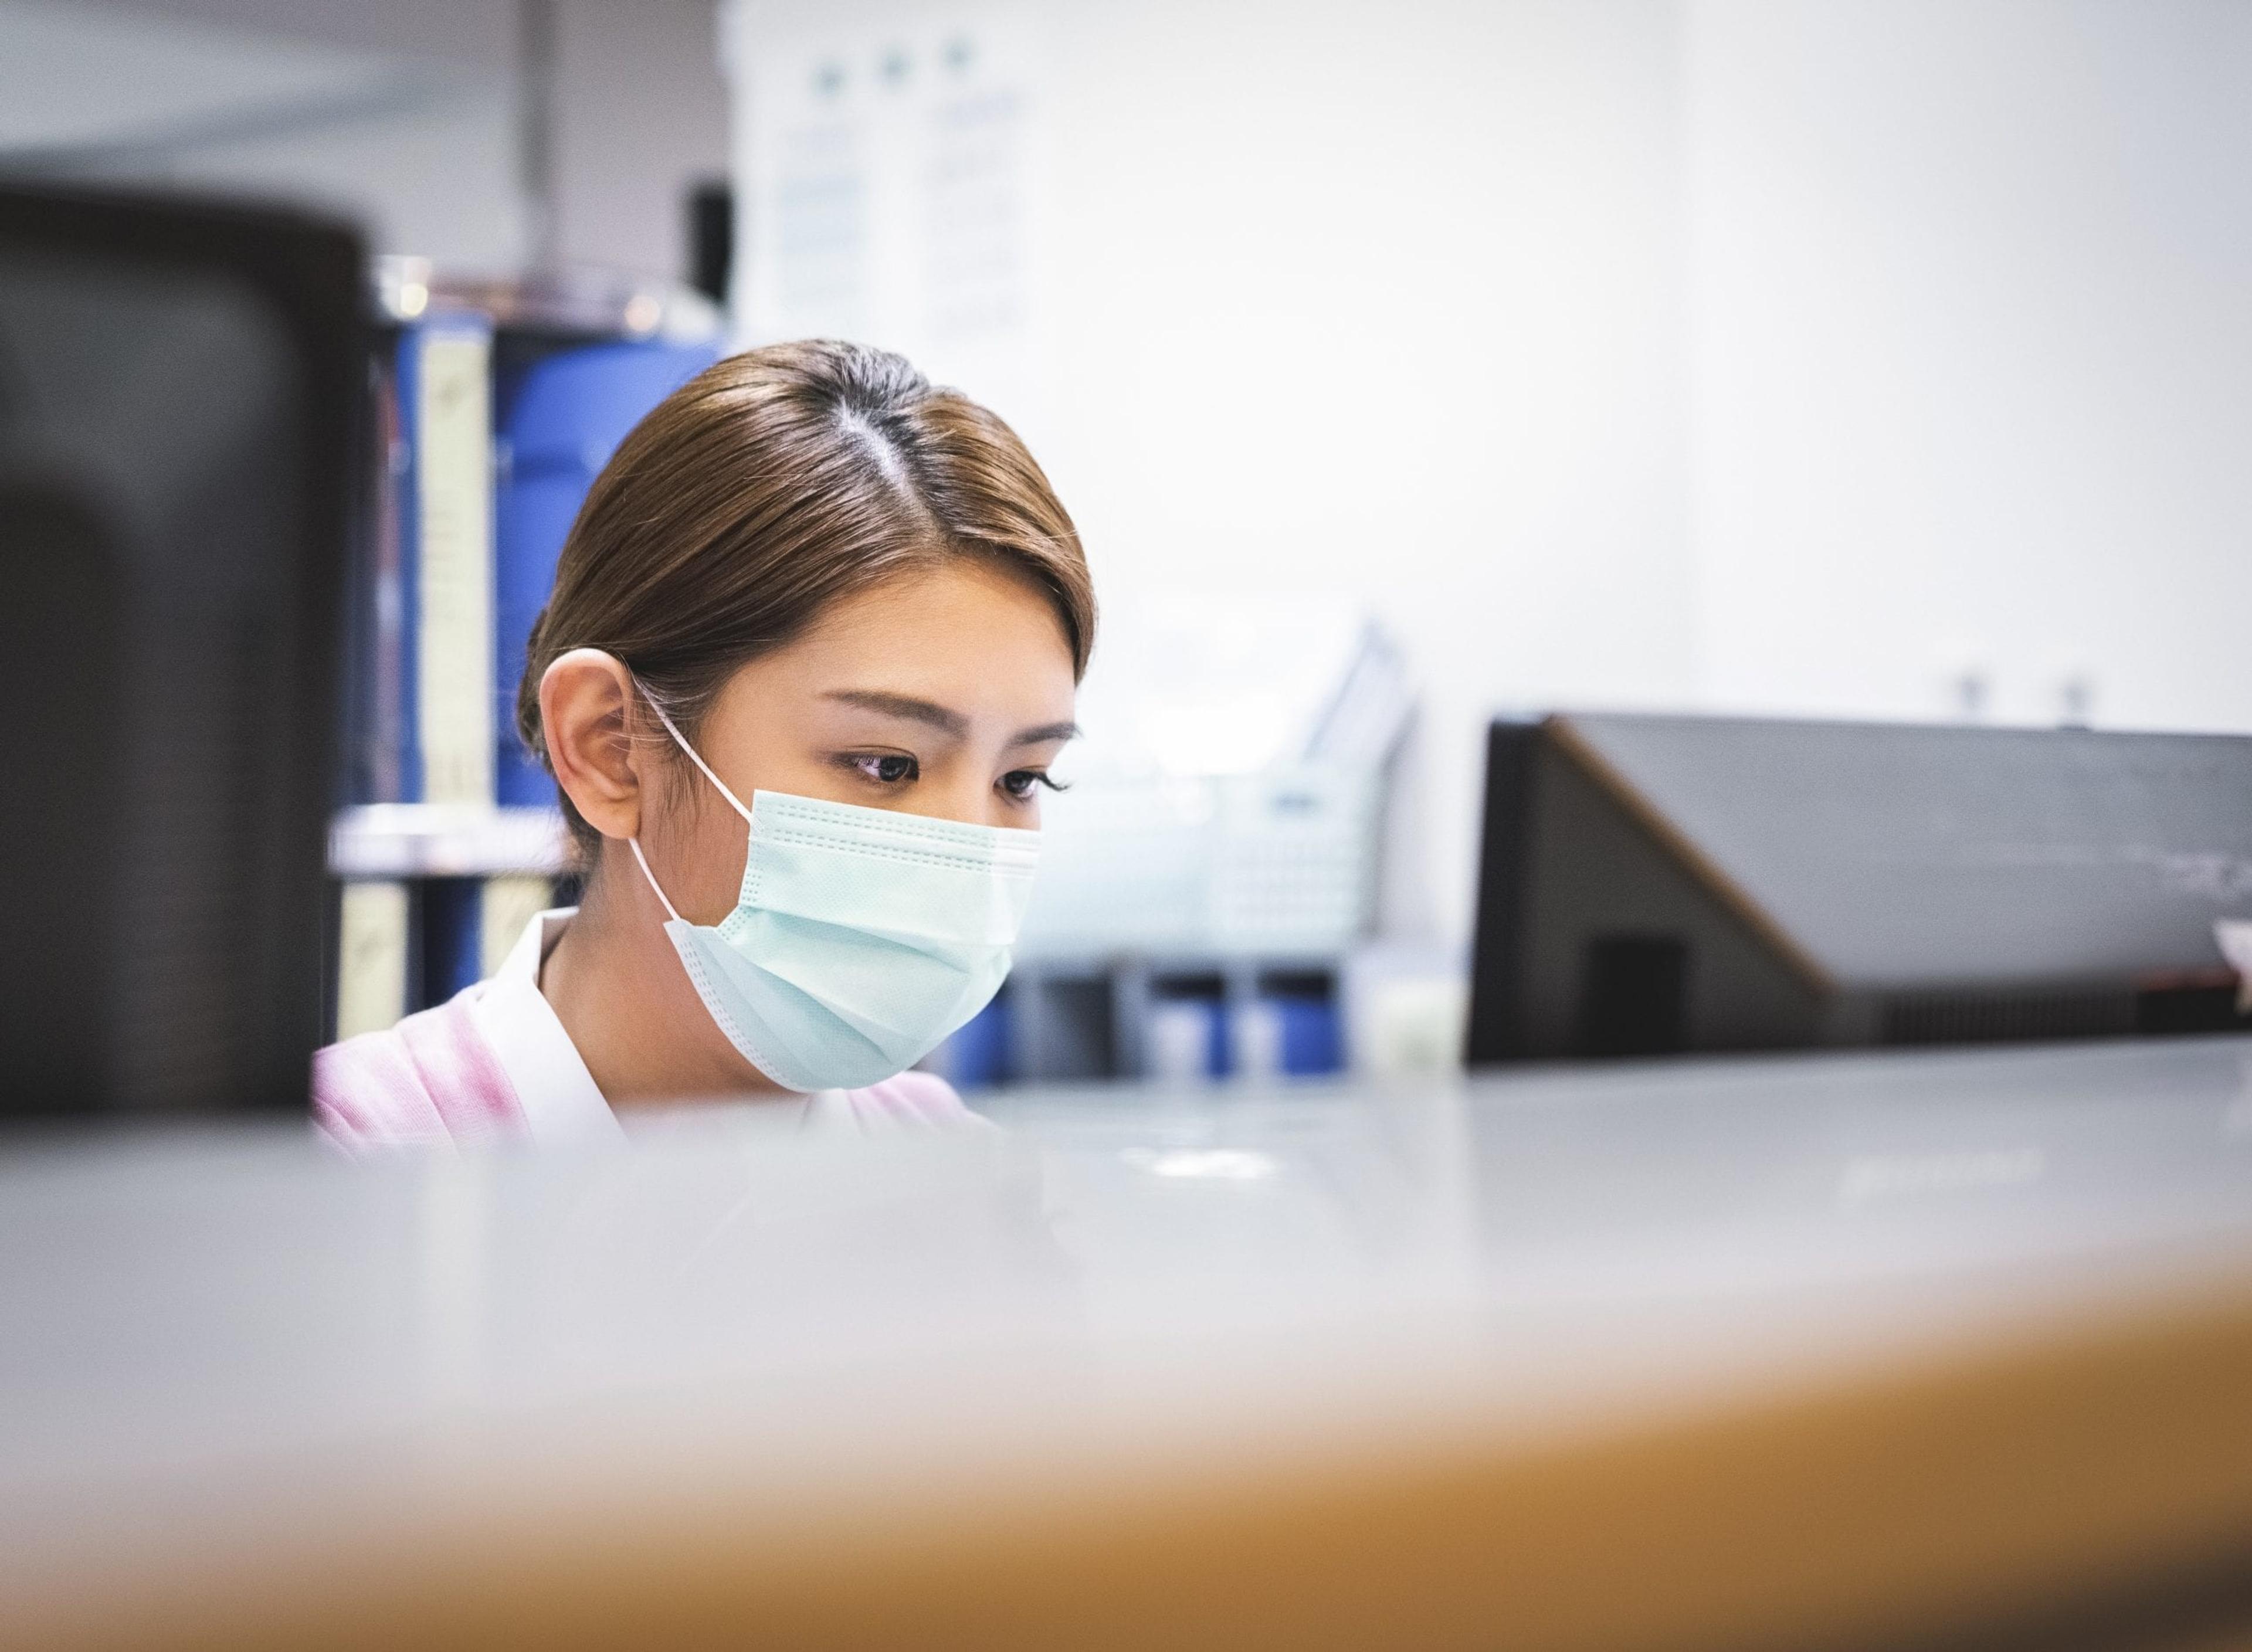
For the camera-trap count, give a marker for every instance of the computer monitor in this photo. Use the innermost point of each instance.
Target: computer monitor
(1658, 884)
(179, 390)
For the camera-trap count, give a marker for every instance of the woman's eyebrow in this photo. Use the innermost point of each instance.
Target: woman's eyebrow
(927, 712)
(944, 718)
(1045, 733)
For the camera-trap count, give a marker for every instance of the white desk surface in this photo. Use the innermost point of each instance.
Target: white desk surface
(1785, 1351)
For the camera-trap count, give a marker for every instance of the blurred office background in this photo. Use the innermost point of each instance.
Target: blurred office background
(1863, 358)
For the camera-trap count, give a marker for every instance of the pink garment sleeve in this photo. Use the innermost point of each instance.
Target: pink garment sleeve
(912, 1098)
(431, 1078)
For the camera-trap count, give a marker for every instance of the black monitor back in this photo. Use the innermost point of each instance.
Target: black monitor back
(178, 389)
(1654, 885)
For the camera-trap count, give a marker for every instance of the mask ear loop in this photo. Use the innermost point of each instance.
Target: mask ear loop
(633, 843)
(733, 800)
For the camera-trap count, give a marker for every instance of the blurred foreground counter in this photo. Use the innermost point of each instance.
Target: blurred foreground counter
(1857, 1351)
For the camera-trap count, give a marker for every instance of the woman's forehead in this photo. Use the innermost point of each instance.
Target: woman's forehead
(960, 619)
(980, 646)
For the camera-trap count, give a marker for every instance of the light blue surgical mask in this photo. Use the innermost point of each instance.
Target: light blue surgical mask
(862, 936)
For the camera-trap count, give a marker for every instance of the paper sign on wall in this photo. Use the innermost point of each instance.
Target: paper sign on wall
(884, 190)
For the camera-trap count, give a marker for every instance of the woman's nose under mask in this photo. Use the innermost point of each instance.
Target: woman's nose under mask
(861, 938)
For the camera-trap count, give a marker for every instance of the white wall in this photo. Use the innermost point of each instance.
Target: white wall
(1970, 306)
(1386, 301)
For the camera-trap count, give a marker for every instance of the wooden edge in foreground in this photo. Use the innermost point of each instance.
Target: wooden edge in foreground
(2100, 1475)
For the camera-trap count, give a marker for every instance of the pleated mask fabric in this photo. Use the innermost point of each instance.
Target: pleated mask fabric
(861, 937)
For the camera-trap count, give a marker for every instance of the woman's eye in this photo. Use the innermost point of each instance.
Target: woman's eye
(885, 769)
(1021, 783)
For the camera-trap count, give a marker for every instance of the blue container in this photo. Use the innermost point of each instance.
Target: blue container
(1288, 1034)
(976, 1056)
(1310, 1040)
(559, 425)
(450, 932)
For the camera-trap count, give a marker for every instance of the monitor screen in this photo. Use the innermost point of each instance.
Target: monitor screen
(178, 386)
(1658, 884)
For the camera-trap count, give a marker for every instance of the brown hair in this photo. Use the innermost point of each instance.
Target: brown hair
(765, 489)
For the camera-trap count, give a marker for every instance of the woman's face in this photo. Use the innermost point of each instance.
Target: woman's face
(945, 694)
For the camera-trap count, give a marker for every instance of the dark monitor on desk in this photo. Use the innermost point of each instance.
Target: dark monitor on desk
(177, 415)
(1654, 886)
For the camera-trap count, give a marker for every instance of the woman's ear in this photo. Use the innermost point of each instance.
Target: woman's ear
(584, 696)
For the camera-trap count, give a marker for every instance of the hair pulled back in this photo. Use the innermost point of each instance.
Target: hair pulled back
(765, 489)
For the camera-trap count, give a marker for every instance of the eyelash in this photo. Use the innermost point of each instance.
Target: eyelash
(1028, 780)
(1034, 779)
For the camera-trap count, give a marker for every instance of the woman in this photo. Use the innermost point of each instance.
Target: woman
(814, 641)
